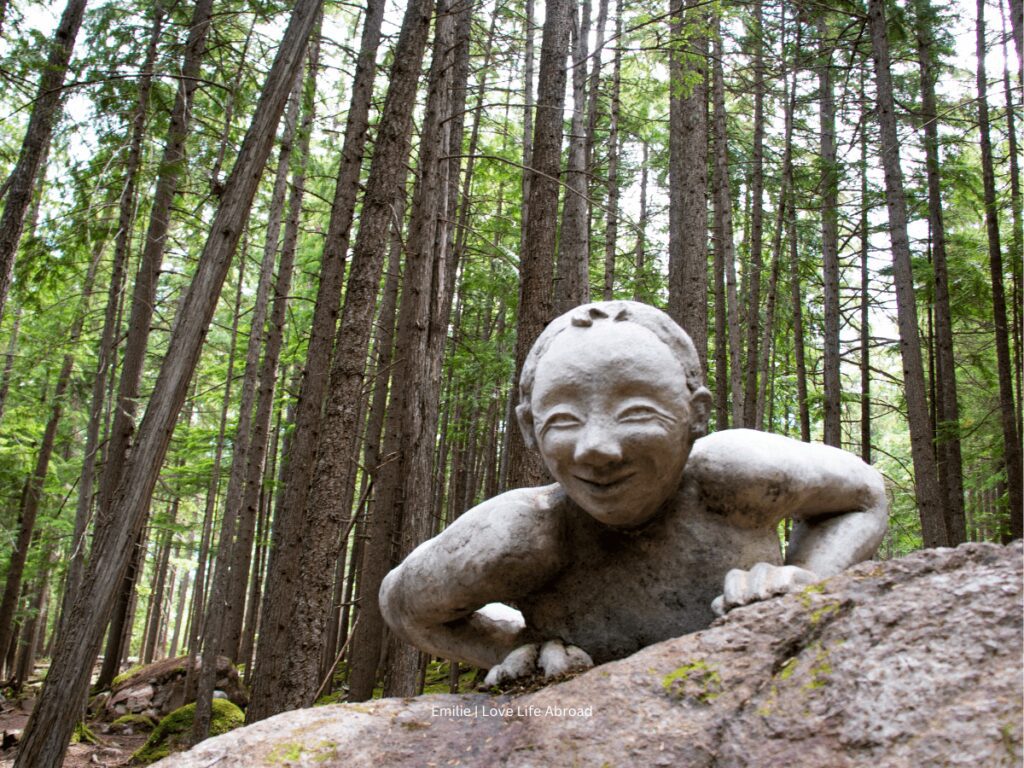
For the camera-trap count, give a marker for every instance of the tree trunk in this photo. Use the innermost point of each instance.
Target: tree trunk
(144, 293)
(19, 186)
(156, 599)
(1011, 443)
(572, 278)
(35, 622)
(540, 228)
(107, 344)
(923, 453)
(297, 587)
(376, 545)
(49, 727)
(1017, 242)
(785, 198)
(640, 280)
(947, 409)
(753, 281)
(280, 83)
(724, 233)
(611, 228)
(423, 317)
(273, 644)
(239, 520)
(865, 328)
(687, 260)
(182, 594)
(833, 428)
(198, 609)
(12, 345)
(271, 355)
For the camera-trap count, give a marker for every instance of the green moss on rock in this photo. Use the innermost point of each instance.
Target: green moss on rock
(699, 680)
(173, 732)
(135, 722)
(126, 675)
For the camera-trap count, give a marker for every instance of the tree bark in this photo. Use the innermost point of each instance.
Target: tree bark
(375, 546)
(107, 344)
(536, 263)
(21, 183)
(160, 583)
(119, 437)
(304, 589)
(756, 219)
(1017, 246)
(687, 260)
(832, 401)
(724, 233)
(12, 346)
(922, 451)
(423, 317)
(239, 519)
(49, 727)
(572, 278)
(950, 463)
(1011, 443)
(611, 227)
(865, 328)
(288, 534)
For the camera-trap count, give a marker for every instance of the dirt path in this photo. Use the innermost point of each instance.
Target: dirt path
(113, 750)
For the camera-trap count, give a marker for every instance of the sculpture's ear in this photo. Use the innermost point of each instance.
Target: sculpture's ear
(700, 413)
(524, 414)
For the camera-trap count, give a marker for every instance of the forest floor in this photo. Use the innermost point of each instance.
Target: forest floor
(111, 750)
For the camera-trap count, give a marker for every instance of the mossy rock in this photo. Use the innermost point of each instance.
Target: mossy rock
(173, 732)
(132, 724)
(127, 675)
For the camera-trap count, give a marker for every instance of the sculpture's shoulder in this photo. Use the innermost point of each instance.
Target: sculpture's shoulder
(522, 524)
(738, 453)
(743, 472)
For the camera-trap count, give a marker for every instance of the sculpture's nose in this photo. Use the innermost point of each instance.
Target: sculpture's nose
(597, 444)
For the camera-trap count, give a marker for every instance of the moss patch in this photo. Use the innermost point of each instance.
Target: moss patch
(172, 734)
(126, 675)
(292, 751)
(699, 681)
(135, 722)
(83, 735)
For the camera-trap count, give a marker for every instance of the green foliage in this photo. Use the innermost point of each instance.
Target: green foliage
(437, 678)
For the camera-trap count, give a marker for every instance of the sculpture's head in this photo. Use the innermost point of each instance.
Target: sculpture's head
(612, 396)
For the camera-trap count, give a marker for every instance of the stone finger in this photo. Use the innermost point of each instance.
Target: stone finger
(735, 589)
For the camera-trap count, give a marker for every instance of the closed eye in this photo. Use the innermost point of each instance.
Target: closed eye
(560, 420)
(640, 414)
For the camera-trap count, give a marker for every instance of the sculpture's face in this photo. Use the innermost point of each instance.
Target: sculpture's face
(612, 417)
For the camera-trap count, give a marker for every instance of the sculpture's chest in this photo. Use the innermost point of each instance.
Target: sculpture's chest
(622, 591)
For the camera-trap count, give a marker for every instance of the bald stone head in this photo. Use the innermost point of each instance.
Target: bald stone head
(612, 397)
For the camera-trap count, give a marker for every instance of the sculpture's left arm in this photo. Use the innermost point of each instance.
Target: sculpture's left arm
(838, 503)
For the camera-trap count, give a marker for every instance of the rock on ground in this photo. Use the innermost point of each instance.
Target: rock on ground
(913, 662)
(159, 688)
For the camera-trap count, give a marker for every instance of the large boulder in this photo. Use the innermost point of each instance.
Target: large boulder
(912, 662)
(158, 689)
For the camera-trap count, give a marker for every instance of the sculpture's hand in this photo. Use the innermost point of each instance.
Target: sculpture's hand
(759, 583)
(549, 659)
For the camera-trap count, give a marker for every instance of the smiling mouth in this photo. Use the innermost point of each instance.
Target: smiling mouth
(604, 485)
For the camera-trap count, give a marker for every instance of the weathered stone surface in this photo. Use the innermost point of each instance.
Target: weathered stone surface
(913, 662)
(159, 688)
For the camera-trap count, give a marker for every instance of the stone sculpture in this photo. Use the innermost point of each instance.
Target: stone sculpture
(651, 528)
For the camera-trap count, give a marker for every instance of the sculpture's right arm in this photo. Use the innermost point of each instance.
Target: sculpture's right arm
(502, 549)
